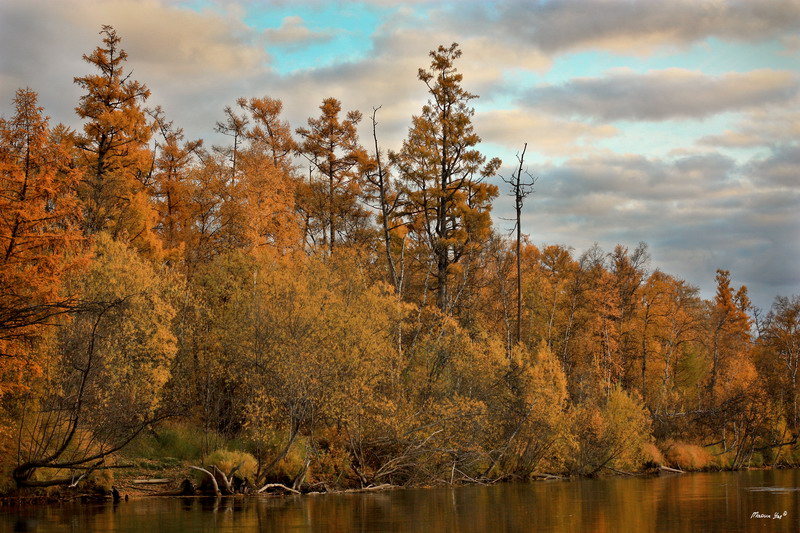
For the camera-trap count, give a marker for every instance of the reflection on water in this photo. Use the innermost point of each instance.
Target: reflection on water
(729, 501)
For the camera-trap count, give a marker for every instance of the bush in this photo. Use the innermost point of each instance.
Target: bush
(226, 460)
(609, 436)
(652, 456)
(690, 456)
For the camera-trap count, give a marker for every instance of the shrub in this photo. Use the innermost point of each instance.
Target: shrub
(651, 455)
(226, 460)
(688, 456)
(611, 435)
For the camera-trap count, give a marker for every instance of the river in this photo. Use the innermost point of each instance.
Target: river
(764, 500)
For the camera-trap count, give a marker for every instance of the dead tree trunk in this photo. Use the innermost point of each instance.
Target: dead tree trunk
(520, 190)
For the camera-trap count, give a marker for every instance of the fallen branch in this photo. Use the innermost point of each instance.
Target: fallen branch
(150, 481)
(277, 486)
(209, 474)
(546, 476)
(668, 469)
(620, 472)
(375, 488)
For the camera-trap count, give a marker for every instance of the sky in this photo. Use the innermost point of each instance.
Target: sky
(672, 123)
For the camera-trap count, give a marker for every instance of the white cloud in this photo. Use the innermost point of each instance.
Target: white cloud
(545, 134)
(623, 94)
(294, 32)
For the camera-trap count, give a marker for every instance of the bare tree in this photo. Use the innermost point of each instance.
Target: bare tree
(520, 189)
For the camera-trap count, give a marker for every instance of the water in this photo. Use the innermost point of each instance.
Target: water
(713, 502)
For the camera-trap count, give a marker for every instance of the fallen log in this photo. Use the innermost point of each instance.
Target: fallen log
(374, 488)
(618, 472)
(668, 469)
(544, 475)
(209, 474)
(150, 481)
(277, 486)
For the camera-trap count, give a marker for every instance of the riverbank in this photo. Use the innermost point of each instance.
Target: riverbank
(170, 478)
(712, 501)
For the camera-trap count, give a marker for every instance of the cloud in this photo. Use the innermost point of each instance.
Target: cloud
(780, 169)
(626, 26)
(698, 208)
(545, 134)
(731, 139)
(770, 127)
(698, 213)
(293, 32)
(664, 94)
(188, 59)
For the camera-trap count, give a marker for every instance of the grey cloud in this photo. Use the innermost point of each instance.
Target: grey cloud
(664, 94)
(770, 127)
(633, 26)
(780, 169)
(697, 213)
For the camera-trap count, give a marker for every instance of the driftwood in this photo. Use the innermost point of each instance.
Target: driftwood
(150, 481)
(223, 484)
(545, 475)
(375, 488)
(673, 470)
(619, 472)
(209, 474)
(277, 486)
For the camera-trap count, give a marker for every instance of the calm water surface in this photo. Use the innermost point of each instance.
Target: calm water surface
(715, 502)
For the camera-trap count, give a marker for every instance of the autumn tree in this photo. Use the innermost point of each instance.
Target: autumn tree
(532, 422)
(666, 326)
(270, 132)
(268, 184)
(172, 186)
(38, 222)
(234, 127)
(779, 354)
(330, 144)
(447, 203)
(115, 157)
(728, 337)
(109, 363)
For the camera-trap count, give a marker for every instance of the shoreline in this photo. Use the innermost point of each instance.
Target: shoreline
(128, 492)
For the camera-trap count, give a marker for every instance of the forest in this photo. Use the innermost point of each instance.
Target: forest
(302, 308)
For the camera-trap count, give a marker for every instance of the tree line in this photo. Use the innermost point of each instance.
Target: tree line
(347, 314)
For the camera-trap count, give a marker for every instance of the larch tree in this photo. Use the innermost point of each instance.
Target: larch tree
(172, 188)
(268, 184)
(728, 335)
(447, 202)
(331, 146)
(270, 132)
(39, 218)
(116, 158)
